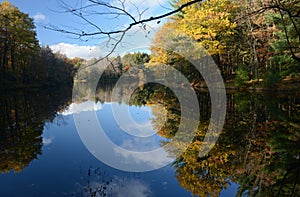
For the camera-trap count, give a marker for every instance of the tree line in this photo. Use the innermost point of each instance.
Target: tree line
(22, 60)
(251, 41)
(248, 39)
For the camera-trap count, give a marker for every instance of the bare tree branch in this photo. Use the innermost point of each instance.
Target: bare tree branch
(271, 6)
(134, 23)
(83, 12)
(114, 7)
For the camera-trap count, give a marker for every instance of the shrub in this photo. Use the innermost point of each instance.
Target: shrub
(241, 76)
(271, 77)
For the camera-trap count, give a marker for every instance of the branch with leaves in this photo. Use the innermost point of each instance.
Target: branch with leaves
(288, 10)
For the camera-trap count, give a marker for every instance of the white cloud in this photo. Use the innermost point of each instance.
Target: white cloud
(144, 160)
(81, 107)
(123, 117)
(39, 17)
(74, 50)
(139, 130)
(93, 135)
(135, 38)
(47, 141)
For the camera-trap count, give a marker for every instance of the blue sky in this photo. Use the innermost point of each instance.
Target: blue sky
(49, 13)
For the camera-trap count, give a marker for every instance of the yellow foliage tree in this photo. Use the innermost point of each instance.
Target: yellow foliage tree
(210, 23)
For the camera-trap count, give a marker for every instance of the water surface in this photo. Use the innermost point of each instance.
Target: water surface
(42, 154)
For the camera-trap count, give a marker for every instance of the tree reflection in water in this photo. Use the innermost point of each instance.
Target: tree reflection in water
(22, 118)
(259, 147)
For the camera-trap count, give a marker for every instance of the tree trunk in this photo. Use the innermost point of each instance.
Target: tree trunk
(5, 59)
(12, 57)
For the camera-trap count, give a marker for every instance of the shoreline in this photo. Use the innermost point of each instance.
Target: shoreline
(285, 85)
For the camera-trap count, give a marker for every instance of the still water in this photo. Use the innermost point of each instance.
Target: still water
(42, 154)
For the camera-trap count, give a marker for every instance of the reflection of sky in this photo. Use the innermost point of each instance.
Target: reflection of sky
(81, 107)
(230, 191)
(134, 120)
(47, 141)
(106, 139)
(64, 164)
(142, 114)
(122, 134)
(121, 187)
(123, 138)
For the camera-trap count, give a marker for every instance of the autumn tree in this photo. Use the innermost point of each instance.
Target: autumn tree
(135, 59)
(248, 41)
(210, 23)
(18, 42)
(22, 60)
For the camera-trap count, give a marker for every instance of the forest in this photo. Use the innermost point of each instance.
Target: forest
(253, 43)
(23, 62)
(250, 41)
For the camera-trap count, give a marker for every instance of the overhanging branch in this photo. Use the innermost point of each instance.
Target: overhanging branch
(111, 10)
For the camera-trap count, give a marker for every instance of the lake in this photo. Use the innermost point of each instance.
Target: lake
(43, 153)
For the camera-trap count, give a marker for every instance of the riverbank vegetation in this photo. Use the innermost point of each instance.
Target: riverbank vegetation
(252, 42)
(255, 44)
